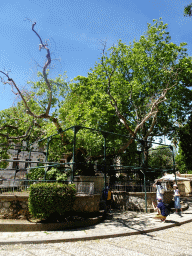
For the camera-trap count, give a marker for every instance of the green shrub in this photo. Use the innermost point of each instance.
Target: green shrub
(48, 198)
(53, 174)
(4, 155)
(36, 174)
(61, 177)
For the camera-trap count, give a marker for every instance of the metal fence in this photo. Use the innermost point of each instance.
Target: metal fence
(12, 187)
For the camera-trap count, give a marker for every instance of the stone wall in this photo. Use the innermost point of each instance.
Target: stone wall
(16, 207)
(87, 203)
(98, 182)
(184, 187)
(136, 200)
(13, 207)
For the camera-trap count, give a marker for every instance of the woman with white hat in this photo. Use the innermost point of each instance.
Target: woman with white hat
(177, 198)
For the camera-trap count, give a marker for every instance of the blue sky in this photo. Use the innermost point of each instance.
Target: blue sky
(75, 29)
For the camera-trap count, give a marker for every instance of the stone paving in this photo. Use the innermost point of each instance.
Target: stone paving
(126, 233)
(117, 224)
(174, 241)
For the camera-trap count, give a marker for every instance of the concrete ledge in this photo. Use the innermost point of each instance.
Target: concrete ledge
(27, 226)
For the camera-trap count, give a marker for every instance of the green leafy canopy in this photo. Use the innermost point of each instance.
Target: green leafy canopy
(145, 85)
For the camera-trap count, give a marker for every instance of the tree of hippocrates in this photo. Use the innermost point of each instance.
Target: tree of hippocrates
(141, 89)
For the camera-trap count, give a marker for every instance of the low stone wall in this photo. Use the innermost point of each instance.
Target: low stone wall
(136, 200)
(13, 207)
(98, 181)
(85, 203)
(16, 207)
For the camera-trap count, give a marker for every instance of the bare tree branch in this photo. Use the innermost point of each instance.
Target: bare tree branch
(46, 65)
(48, 62)
(12, 82)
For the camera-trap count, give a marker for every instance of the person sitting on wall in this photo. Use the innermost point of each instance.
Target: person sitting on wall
(161, 210)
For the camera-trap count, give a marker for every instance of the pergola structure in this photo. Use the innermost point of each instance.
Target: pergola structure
(140, 167)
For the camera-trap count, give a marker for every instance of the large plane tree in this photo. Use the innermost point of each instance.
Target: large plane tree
(142, 89)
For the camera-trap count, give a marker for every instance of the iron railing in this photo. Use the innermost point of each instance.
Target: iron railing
(13, 186)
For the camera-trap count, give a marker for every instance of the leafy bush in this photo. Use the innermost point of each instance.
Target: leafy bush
(53, 174)
(4, 155)
(61, 177)
(36, 174)
(48, 198)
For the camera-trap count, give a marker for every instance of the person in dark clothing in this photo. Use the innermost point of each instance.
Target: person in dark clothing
(105, 193)
(107, 197)
(161, 210)
(109, 200)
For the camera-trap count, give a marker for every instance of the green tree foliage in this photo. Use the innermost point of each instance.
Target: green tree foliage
(140, 89)
(180, 162)
(188, 10)
(184, 160)
(39, 95)
(36, 174)
(161, 157)
(3, 155)
(52, 174)
(160, 160)
(16, 125)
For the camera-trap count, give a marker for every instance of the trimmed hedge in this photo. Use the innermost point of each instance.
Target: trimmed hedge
(48, 198)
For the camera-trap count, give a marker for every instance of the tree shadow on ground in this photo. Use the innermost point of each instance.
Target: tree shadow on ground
(70, 217)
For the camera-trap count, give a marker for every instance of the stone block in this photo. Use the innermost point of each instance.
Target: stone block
(6, 204)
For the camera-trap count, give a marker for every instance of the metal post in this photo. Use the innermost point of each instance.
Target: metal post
(105, 179)
(74, 144)
(75, 130)
(145, 192)
(143, 170)
(174, 164)
(29, 160)
(46, 158)
(16, 169)
(29, 165)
